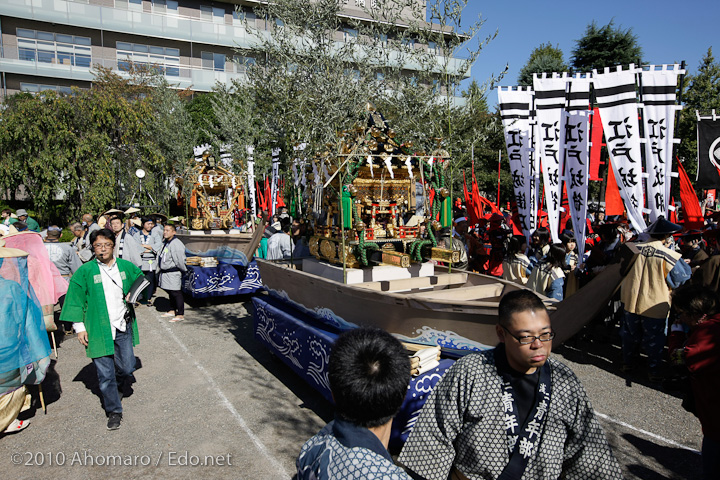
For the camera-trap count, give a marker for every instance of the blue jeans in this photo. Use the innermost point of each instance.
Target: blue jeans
(114, 369)
(651, 331)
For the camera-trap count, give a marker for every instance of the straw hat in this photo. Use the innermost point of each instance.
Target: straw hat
(131, 210)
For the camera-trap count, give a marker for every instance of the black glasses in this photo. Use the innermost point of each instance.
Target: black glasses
(530, 339)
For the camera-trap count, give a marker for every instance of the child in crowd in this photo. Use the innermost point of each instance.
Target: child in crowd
(516, 265)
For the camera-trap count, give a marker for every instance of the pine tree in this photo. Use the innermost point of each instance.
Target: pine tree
(544, 59)
(605, 47)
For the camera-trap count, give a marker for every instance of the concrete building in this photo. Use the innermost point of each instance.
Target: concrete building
(52, 44)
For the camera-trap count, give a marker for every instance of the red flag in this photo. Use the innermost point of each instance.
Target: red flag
(280, 199)
(613, 201)
(673, 212)
(597, 143)
(692, 213)
(261, 198)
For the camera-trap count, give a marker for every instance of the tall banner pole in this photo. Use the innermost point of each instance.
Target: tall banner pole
(499, 160)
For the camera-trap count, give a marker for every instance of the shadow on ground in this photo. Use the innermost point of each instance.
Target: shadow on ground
(270, 383)
(599, 346)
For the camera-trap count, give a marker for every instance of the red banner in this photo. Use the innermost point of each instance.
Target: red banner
(613, 201)
(692, 213)
(597, 144)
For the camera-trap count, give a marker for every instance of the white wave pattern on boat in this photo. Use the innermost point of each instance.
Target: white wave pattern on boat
(215, 283)
(324, 315)
(444, 339)
(318, 371)
(290, 348)
(252, 277)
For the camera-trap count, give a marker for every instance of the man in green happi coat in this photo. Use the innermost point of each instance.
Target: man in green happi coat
(104, 321)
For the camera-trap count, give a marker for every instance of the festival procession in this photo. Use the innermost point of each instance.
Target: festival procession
(350, 239)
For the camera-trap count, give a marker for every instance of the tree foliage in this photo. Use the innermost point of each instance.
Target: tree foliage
(702, 94)
(605, 46)
(543, 59)
(78, 153)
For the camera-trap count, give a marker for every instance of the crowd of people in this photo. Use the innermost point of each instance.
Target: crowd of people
(101, 265)
(672, 285)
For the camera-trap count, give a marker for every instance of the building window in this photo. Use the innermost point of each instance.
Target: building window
(242, 63)
(352, 73)
(408, 42)
(380, 77)
(432, 48)
(212, 14)
(166, 60)
(349, 34)
(213, 61)
(169, 7)
(129, 4)
(435, 86)
(45, 47)
(240, 15)
(37, 88)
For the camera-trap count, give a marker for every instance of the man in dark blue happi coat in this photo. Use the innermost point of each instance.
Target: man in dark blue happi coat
(369, 373)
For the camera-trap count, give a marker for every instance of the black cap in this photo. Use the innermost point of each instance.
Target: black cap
(663, 227)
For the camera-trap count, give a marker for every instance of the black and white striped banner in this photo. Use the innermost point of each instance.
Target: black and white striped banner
(658, 95)
(576, 154)
(549, 105)
(615, 93)
(515, 110)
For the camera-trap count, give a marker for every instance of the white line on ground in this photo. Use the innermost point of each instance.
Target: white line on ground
(646, 433)
(224, 401)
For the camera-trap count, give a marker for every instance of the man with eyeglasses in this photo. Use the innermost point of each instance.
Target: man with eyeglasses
(510, 412)
(104, 322)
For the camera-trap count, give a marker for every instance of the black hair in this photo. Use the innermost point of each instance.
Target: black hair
(146, 219)
(522, 300)
(513, 245)
(543, 235)
(171, 225)
(103, 232)
(115, 217)
(20, 226)
(7, 210)
(556, 255)
(369, 373)
(566, 238)
(696, 300)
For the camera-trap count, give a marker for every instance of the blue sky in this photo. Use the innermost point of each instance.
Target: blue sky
(667, 31)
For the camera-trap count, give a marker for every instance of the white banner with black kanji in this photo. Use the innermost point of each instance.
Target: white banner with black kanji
(515, 107)
(616, 97)
(658, 93)
(275, 182)
(577, 161)
(549, 104)
(251, 179)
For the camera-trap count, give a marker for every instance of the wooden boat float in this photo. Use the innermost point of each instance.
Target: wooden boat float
(455, 310)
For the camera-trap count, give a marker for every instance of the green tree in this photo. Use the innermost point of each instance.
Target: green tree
(202, 115)
(605, 46)
(543, 59)
(702, 94)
